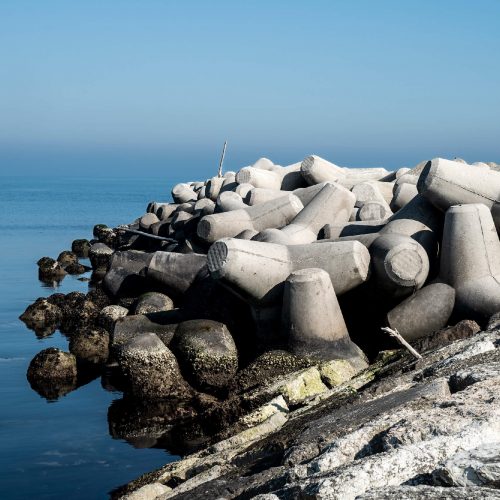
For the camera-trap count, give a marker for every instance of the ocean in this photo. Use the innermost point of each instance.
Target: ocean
(63, 448)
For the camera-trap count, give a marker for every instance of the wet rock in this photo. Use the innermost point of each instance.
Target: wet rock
(151, 369)
(78, 312)
(42, 316)
(266, 368)
(100, 256)
(206, 352)
(99, 297)
(66, 258)
(494, 321)
(90, 346)
(153, 302)
(162, 324)
(109, 315)
(50, 269)
(52, 373)
(81, 248)
(77, 268)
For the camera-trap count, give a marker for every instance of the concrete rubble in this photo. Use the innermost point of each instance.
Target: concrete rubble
(242, 322)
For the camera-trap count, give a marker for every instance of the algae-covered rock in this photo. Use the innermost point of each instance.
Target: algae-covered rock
(42, 316)
(336, 372)
(100, 255)
(266, 368)
(109, 315)
(206, 352)
(81, 248)
(91, 346)
(150, 368)
(153, 302)
(66, 258)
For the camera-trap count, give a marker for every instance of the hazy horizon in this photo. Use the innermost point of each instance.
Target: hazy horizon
(145, 88)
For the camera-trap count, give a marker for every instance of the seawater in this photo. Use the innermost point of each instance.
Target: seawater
(59, 449)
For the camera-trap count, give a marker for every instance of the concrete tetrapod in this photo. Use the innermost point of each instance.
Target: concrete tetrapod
(423, 313)
(259, 178)
(258, 270)
(274, 213)
(315, 169)
(445, 183)
(313, 320)
(470, 261)
(176, 271)
(182, 193)
(332, 205)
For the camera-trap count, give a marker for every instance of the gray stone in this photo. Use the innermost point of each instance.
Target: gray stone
(109, 315)
(153, 302)
(206, 353)
(150, 368)
(91, 346)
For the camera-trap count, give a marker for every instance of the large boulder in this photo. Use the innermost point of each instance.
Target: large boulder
(207, 353)
(81, 248)
(90, 346)
(100, 255)
(151, 370)
(52, 373)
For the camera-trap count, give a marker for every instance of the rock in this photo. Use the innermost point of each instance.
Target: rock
(337, 371)
(50, 269)
(266, 368)
(477, 467)
(153, 302)
(206, 352)
(42, 316)
(52, 373)
(151, 369)
(91, 346)
(494, 321)
(462, 330)
(109, 315)
(78, 312)
(99, 297)
(430, 493)
(66, 258)
(81, 248)
(77, 268)
(100, 255)
(148, 492)
(162, 324)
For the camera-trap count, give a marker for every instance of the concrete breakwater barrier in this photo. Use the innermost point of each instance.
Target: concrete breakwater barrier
(256, 297)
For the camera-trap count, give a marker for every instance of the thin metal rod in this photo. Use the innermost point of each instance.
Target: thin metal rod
(219, 174)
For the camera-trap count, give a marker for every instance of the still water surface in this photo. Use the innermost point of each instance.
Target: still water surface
(58, 449)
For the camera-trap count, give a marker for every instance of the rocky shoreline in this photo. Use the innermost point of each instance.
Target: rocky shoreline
(242, 322)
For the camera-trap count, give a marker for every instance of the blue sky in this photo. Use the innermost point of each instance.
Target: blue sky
(150, 86)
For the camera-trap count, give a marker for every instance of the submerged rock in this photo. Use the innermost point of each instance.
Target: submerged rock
(206, 352)
(42, 316)
(49, 269)
(52, 373)
(66, 258)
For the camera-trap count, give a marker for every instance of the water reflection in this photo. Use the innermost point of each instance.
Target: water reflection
(165, 424)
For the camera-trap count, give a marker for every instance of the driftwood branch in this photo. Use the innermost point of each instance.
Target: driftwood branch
(395, 334)
(147, 235)
(219, 174)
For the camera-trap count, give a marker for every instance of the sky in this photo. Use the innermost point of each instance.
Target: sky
(145, 87)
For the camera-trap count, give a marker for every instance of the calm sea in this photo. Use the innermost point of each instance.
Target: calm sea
(59, 449)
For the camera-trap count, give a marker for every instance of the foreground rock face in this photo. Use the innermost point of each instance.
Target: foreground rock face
(416, 430)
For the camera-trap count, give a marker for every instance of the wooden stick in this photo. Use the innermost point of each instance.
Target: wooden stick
(395, 334)
(152, 236)
(222, 159)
